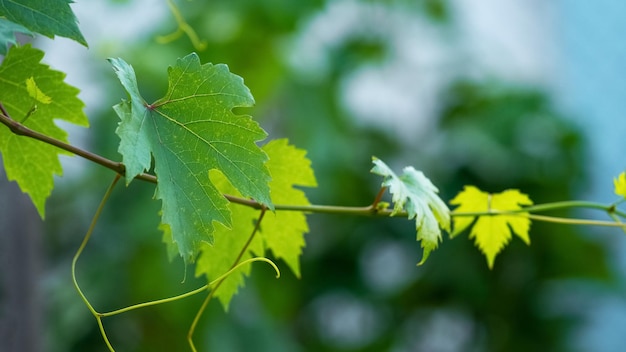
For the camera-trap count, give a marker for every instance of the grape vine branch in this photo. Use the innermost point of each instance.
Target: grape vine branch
(369, 210)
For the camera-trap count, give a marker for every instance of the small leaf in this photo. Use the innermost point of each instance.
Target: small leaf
(35, 92)
(492, 232)
(620, 184)
(48, 17)
(32, 163)
(189, 132)
(281, 232)
(7, 34)
(413, 192)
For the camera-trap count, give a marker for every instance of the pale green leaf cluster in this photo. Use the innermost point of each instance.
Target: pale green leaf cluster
(188, 132)
(48, 17)
(280, 232)
(34, 95)
(414, 193)
(492, 232)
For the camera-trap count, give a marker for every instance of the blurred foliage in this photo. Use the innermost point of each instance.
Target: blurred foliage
(360, 289)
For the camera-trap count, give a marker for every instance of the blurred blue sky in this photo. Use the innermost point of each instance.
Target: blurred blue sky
(591, 88)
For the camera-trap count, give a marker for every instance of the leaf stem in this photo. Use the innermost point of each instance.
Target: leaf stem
(378, 197)
(574, 204)
(92, 226)
(312, 208)
(190, 293)
(257, 226)
(155, 302)
(617, 220)
(183, 27)
(609, 209)
(553, 219)
(221, 279)
(569, 221)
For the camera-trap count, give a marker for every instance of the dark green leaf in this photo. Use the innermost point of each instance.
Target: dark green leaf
(48, 17)
(189, 132)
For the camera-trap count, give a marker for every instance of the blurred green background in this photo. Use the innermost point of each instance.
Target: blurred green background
(344, 80)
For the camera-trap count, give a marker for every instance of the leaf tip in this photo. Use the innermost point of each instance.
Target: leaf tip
(491, 259)
(424, 257)
(428, 247)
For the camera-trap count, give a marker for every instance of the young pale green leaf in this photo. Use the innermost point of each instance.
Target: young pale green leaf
(281, 232)
(170, 246)
(7, 34)
(189, 132)
(34, 94)
(491, 231)
(620, 185)
(218, 258)
(48, 17)
(413, 192)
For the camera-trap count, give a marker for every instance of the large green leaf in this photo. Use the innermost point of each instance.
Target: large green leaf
(189, 132)
(48, 17)
(33, 93)
(281, 232)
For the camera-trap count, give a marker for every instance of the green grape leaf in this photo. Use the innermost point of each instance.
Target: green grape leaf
(189, 132)
(280, 232)
(620, 185)
(34, 94)
(413, 192)
(7, 34)
(168, 240)
(216, 259)
(48, 17)
(492, 232)
(283, 232)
